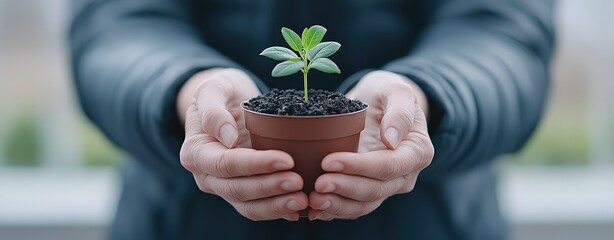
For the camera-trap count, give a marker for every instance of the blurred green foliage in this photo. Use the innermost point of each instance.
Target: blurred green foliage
(22, 144)
(561, 139)
(97, 150)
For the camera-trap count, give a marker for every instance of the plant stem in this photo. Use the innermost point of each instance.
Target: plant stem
(305, 71)
(305, 86)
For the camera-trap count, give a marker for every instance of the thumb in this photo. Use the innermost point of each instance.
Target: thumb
(398, 119)
(217, 121)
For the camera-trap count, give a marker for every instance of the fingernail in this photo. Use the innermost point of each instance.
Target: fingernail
(329, 188)
(336, 167)
(326, 205)
(293, 205)
(288, 186)
(314, 217)
(326, 217)
(323, 216)
(318, 217)
(393, 137)
(291, 218)
(228, 134)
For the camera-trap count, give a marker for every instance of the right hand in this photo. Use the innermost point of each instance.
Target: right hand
(217, 149)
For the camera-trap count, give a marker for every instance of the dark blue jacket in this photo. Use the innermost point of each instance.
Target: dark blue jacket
(482, 63)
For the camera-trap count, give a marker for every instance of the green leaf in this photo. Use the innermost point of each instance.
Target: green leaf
(322, 50)
(293, 40)
(279, 53)
(324, 65)
(313, 36)
(287, 68)
(304, 35)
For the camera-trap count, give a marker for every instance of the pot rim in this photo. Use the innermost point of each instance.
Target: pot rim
(303, 117)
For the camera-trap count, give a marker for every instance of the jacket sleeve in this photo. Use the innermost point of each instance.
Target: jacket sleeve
(484, 67)
(129, 59)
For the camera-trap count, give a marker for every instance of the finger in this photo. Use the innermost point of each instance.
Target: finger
(284, 206)
(214, 159)
(202, 154)
(341, 207)
(420, 123)
(361, 188)
(250, 188)
(320, 215)
(409, 157)
(192, 121)
(212, 99)
(399, 108)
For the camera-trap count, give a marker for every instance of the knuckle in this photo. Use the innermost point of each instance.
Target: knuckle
(262, 189)
(210, 119)
(389, 170)
(376, 194)
(362, 209)
(336, 211)
(188, 151)
(370, 207)
(224, 84)
(354, 187)
(407, 188)
(399, 87)
(215, 82)
(185, 159)
(426, 151)
(278, 208)
(247, 210)
(202, 184)
(221, 166)
(430, 151)
(229, 190)
(405, 115)
(408, 184)
(192, 107)
(354, 216)
(202, 187)
(192, 123)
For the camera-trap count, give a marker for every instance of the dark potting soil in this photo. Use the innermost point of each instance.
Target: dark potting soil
(290, 102)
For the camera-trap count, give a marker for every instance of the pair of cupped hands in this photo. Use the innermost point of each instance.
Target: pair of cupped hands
(260, 185)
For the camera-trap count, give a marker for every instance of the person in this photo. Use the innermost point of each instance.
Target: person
(465, 80)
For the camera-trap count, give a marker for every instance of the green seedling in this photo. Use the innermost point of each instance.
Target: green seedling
(312, 54)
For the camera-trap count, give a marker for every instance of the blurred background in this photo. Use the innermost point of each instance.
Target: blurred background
(58, 174)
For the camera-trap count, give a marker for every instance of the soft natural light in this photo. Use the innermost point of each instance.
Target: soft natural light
(59, 179)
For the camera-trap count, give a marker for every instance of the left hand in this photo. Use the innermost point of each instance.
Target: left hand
(394, 148)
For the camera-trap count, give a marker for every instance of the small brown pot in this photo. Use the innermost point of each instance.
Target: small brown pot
(308, 139)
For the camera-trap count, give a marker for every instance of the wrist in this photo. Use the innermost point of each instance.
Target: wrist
(188, 91)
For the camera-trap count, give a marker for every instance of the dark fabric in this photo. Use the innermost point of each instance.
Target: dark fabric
(482, 63)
